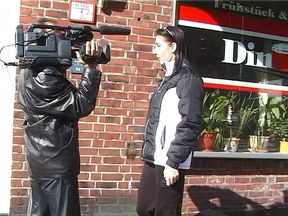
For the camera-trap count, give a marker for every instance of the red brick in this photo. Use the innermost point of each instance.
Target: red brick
(45, 4)
(116, 95)
(85, 143)
(109, 152)
(116, 20)
(88, 151)
(38, 12)
(20, 192)
(108, 168)
(106, 185)
(123, 185)
(110, 119)
(276, 186)
(25, 11)
(127, 104)
(129, 88)
(60, 5)
(116, 128)
(17, 165)
(114, 144)
(118, 53)
(112, 193)
(94, 193)
(116, 112)
(145, 16)
(90, 168)
(112, 176)
(84, 126)
(56, 14)
(243, 180)
(147, 56)
(282, 179)
(83, 192)
(30, 3)
(147, 40)
(87, 135)
(19, 174)
(113, 160)
(112, 86)
(118, 78)
(134, 6)
(86, 184)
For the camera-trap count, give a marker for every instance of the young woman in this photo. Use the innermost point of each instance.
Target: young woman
(172, 128)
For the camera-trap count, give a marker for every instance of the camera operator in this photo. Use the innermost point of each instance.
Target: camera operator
(52, 107)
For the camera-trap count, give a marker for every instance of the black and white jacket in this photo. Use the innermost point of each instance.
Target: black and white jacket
(174, 120)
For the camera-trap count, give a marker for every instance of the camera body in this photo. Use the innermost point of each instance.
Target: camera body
(55, 47)
(36, 48)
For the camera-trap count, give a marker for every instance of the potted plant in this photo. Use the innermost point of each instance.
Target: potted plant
(214, 105)
(240, 118)
(279, 123)
(258, 140)
(281, 129)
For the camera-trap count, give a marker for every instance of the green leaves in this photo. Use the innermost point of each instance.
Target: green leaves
(215, 106)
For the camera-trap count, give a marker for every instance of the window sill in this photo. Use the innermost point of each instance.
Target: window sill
(241, 155)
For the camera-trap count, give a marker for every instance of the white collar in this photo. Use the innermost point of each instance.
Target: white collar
(168, 67)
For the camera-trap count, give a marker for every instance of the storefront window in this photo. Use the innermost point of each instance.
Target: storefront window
(241, 50)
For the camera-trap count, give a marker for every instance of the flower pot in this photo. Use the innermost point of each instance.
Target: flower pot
(263, 142)
(258, 143)
(207, 141)
(284, 146)
(274, 143)
(231, 144)
(253, 142)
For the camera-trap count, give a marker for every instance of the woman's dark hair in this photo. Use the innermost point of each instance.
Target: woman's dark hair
(174, 34)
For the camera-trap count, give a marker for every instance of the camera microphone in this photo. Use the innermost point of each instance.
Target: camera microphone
(114, 30)
(104, 29)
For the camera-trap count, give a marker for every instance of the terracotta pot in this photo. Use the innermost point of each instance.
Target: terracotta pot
(207, 141)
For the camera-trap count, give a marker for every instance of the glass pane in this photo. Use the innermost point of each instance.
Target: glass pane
(242, 56)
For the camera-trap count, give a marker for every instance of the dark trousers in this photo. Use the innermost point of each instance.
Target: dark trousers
(54, 197)
(154, 197)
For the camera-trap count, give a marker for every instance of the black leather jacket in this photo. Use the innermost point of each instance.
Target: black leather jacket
(52, 107)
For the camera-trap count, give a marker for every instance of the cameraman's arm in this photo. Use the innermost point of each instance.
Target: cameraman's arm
(91, 78)
(50, 93)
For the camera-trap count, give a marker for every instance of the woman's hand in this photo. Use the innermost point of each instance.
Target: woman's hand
(171, 175)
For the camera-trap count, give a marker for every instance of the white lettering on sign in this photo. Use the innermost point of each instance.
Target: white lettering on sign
(236, 53)
(242, 8)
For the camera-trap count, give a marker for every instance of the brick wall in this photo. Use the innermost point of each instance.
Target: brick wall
(108, 180)
(237, 187)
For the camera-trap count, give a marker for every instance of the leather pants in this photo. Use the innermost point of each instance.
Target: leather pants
(54, 197)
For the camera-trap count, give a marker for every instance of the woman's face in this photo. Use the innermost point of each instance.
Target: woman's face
(164, 49)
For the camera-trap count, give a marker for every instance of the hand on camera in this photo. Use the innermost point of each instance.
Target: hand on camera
(92, 49)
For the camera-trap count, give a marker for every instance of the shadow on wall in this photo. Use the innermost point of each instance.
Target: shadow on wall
(115, 5)
(212, 201)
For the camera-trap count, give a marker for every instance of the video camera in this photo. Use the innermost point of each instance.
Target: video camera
(57, 45)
